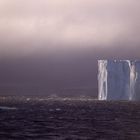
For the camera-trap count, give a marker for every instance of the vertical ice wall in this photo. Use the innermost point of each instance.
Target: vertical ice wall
(118, 80)
(132, 79)
(137, 81)
(102, 79)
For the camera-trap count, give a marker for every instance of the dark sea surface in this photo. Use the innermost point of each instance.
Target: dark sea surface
(69, 120)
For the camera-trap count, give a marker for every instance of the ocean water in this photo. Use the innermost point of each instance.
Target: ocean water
(69, 120)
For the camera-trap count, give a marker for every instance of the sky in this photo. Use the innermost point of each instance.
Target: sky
(55, 44)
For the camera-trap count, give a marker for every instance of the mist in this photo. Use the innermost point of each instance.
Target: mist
(42, 74)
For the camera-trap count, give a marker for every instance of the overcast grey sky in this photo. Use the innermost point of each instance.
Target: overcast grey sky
(26, 25)
(60, 40)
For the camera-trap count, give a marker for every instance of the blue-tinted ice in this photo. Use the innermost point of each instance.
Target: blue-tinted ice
(118, 80)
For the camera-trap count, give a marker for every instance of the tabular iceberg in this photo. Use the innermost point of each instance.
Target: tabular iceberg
(118, 80)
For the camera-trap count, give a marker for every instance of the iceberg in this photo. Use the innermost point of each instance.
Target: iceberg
(118, 80)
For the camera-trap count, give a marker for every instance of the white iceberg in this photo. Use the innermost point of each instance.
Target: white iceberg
(118, 80)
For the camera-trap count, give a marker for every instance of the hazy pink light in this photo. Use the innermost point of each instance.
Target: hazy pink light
(68, 23)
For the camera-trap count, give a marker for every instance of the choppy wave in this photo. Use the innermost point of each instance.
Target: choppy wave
(69, 120)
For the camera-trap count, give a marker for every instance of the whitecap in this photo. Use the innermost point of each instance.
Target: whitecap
(57, 109)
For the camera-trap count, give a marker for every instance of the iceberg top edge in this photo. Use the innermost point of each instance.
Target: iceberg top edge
(117, 60)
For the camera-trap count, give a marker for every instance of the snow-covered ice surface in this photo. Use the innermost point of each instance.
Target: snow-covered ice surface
(118, 80)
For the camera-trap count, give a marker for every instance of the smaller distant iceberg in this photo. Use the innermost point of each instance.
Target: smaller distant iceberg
(7, 108)
(118, 80)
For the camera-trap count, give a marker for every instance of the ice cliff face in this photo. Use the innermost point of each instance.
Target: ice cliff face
(118, 80)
